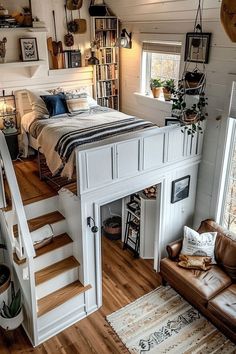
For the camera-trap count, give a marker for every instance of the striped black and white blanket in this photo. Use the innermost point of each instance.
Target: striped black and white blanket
(69, 141)
(58, 137)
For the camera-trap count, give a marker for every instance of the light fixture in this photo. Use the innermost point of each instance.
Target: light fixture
(8, 113)
(125, 39)
(93, 60)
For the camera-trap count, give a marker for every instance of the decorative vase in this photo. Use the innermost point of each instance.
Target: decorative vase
(156, 91)
(12, 323)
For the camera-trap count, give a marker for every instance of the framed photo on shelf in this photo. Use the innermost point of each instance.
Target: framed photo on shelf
(197, 47)
(29, 49)
(180, 189)
(171, 121)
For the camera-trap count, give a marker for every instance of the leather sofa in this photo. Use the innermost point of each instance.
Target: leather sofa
(212, 292)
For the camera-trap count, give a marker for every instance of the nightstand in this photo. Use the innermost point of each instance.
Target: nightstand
(12, 143)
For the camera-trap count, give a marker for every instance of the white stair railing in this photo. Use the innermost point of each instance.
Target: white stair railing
(23, 243)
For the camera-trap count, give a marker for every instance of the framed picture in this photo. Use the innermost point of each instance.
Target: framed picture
(180, 189)
(197, 47)
(171, 121)
(29, 49)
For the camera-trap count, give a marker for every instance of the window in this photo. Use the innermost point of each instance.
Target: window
(228, 212)
(227, 201)
(160, 60)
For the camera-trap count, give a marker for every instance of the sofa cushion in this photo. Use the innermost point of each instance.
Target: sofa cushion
(225, 246)
(195, 244)
(200, 285)
(223, 306)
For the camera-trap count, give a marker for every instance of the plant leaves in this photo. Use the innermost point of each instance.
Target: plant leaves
(16, 304)
(6, 313)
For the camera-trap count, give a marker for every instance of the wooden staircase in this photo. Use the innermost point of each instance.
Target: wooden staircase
(56, 268)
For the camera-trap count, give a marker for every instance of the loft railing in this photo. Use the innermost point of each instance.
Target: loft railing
(22, 244)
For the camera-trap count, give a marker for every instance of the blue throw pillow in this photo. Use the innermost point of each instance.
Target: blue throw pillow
(56, 104)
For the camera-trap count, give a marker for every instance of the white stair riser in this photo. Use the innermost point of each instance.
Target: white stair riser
(57, 283)
(41, 207)
(59, 227)
(52, 257)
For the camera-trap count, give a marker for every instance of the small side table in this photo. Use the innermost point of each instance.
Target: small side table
(12, 143)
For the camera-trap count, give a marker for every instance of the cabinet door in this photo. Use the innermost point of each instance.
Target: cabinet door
(99, 166)
(176, 140)
(153, 151)
(127, 155)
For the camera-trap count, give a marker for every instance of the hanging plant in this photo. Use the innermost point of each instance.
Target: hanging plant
(189, 100)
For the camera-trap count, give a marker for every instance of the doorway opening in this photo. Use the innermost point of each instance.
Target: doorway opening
(130, 236)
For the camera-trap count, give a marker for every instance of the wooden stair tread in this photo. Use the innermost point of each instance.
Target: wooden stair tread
(57, 242)
(55, 269)
(60, 296)
(40, 221)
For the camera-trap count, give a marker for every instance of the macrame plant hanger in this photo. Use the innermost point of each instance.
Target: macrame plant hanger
(199, 67)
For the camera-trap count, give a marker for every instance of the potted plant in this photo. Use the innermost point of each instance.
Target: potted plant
(191, 116)
(156, 87)
(5, 275)
(11, 316)
(168, 89)
(193, 82)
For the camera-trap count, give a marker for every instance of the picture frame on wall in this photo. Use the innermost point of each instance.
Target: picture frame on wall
(197, 47)
(172, 121)
(29, 49)
(180, 189)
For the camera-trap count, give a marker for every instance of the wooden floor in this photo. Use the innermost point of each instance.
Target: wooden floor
(31, 187)
(124, 280)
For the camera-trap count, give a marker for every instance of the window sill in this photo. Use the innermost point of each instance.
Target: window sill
(154, 102)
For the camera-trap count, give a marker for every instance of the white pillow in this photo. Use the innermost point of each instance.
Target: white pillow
(37, 104)
(195, 244)
(77, 104)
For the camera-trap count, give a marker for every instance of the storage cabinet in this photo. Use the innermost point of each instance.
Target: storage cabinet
(105, 31)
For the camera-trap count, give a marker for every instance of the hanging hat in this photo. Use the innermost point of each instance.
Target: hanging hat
(74, 4)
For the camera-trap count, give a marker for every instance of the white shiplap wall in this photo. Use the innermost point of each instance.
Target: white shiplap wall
(170, 20)
(13, 78)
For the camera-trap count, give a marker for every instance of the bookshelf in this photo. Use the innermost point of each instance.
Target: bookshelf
(105, 31)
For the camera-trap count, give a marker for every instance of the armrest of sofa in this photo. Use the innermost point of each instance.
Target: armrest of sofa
(174, 248)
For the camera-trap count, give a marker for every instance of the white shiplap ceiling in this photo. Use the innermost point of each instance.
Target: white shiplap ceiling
(162, 10)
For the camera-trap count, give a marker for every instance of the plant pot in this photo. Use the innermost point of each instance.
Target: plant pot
(12, 323)
(190, 118)
(156, 91)
(167, 94)
(5, 271)
(193, 82)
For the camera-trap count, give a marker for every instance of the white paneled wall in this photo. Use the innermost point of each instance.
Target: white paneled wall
(19, 77)
(170, 20)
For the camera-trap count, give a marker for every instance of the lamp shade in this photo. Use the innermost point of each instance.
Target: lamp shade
(124, 41)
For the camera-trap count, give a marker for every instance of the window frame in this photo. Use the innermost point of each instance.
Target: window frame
(146, 67)
(226, 169)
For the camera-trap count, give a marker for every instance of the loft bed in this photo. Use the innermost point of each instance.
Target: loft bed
(57, 137)
(104, 160)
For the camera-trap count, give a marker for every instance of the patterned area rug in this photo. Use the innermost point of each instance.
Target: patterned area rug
(163, 322)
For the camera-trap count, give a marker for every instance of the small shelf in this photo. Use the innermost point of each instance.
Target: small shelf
(32, 65)
(82, 69)
(25, 29)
